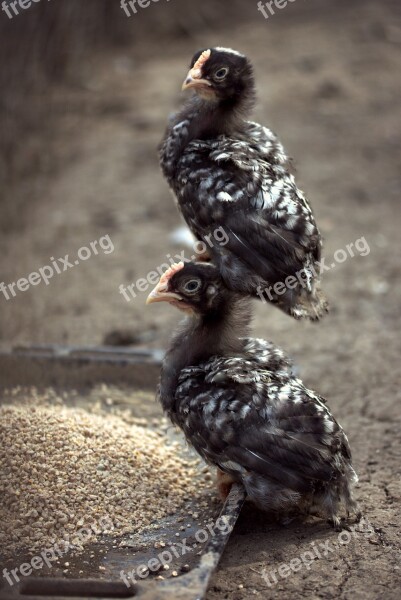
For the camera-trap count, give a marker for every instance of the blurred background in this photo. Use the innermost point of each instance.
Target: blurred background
(86, 91)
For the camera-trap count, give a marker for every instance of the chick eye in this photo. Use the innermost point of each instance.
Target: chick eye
(221, 73)
(191, 286)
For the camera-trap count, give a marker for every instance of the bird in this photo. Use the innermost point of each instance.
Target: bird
(225, 170)
(241, 407)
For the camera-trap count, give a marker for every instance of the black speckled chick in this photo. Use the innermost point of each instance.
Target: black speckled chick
(226, 171)
(242, 408)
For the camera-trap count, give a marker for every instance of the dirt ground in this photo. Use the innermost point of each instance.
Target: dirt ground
(329, 84)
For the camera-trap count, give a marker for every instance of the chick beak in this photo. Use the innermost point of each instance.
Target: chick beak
(194, 80)
(161, 294)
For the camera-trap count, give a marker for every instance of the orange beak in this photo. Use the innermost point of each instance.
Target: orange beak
(194, 80)
(161, 294)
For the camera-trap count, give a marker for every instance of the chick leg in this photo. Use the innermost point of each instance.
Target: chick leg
(224, 483)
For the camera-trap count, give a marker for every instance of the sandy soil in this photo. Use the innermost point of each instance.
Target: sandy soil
(329, 84)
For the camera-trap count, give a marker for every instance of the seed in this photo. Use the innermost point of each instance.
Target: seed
(53, 490)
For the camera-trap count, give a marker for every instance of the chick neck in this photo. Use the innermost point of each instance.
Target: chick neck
(204, 119)
(200, 337)
(210, 118)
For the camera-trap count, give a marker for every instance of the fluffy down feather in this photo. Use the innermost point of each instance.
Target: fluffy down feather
(228, 171)
(241, 406)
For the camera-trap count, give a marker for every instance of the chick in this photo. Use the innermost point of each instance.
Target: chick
(241, 407)
(228, 171)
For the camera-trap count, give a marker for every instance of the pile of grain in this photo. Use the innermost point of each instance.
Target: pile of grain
(63, 470)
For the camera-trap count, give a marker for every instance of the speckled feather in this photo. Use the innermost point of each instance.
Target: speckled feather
(267, 430)
(243, 409)
(239, 179)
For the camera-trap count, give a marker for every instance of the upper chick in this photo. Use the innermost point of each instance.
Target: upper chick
(240, 406)
(228, 171)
